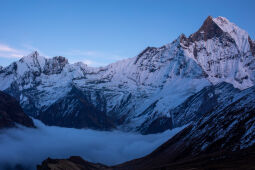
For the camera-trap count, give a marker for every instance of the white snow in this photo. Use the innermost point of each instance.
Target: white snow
(165, 76)
(223, 60)
(239, 35)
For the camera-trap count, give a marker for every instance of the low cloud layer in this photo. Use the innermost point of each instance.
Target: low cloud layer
(30, 147)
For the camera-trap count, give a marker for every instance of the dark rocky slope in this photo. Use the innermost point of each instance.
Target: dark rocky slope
(75, 110)
(236, 160)
(217, 135)
(11, 113)
(73, 163)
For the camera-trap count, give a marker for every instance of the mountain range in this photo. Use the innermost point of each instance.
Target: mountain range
(204, 82)
(136, 94)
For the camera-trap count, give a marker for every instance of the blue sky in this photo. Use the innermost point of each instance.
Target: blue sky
(100, 32)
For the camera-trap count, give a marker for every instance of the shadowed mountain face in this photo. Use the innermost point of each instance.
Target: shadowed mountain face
(226, 131)
(140, 93)
(220, 138)
(11, 113)
(74, 110)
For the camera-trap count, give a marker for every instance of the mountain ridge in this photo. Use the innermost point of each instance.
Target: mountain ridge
(139, 92)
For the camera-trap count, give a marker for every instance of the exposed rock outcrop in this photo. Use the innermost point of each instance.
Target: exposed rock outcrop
(73, 163)
(11, 113)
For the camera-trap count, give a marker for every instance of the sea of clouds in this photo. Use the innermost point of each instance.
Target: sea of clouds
(29, 147)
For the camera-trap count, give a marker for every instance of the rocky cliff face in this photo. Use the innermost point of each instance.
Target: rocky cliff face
(138, 93)
(75, 111)
(73, 163)
(11, 113)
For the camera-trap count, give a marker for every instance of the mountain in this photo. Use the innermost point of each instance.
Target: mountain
(224, 51)
(11, 113)
(78, 113)
(136, 94)
(222, 138)
(219, 135)
(207, 101)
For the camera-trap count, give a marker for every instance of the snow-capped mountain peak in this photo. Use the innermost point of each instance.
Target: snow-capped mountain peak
(208, 30)
(216, 27)
(32, 62)
(33, 54)
(224, 51)
(33, 57)
(239, 35)
(137, 92)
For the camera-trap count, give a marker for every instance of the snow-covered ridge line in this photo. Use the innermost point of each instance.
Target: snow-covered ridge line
(137, 93)
(224, 51)
(239, 35)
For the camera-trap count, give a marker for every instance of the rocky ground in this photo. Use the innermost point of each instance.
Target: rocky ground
(11, 113)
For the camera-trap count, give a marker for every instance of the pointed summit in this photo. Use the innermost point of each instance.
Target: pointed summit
(33, 57)
(208, 30)
(34, 54)
(217, 27)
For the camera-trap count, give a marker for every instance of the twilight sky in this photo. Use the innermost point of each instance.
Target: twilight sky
(100, 32)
